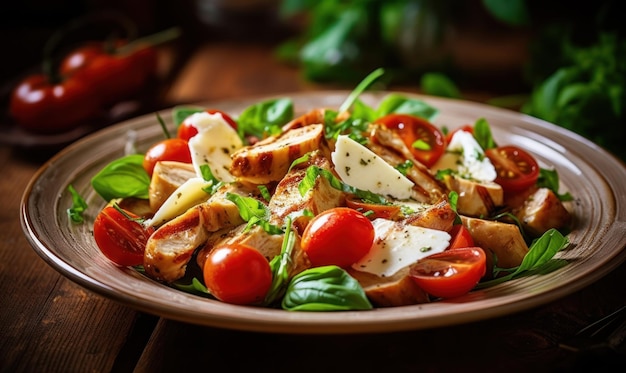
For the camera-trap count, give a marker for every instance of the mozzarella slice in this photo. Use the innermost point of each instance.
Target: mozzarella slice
(189, 194)
(361, 168)
(465, 156)
(397, 246)
(215, 142)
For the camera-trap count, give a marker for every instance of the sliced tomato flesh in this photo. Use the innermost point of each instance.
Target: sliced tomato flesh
(516, 169)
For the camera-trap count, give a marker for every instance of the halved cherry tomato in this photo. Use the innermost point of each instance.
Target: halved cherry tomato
(339, 236)
(376, 211)
(466, 128)
(120, 237)
(167, 150)
(186, 130)
(516, 169)
(41, 105)
(461, 237)
(237, 274)
(425, 141)
(450, 273)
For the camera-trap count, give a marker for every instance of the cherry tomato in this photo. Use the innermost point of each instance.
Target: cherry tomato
(237, 274)
(425, 141)
(339, 236)
(390, 212)
(167, 150)
(516, 169)
(450, 273)
(115, 77)
(461, 237)
(40, 105)
(186, 130)
(466, 128)
(120, 238)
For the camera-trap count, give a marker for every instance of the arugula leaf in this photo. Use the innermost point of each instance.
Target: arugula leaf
(124, 177)
(312, 172)
(75, 213)
(327, 288)
(265, 118)
(538, 258)
(254, 212)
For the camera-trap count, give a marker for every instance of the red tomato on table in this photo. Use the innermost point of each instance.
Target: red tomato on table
(120, 237)
(167, 150)
(516, 169)
(41, 105)
(339, 236)
(426, 142)
(186, 129)
(451, 273)
(237, 274)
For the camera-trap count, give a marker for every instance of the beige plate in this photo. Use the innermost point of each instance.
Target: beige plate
(595, 178)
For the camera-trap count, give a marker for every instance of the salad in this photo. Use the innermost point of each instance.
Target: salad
(345, 208)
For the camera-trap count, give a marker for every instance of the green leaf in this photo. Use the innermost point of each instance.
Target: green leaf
(400, 104)
(266, 117)
(124, 177)
(482, 134)
(180, 113)
(254, 212)
(312, 172)
(79, 206)
(550, 179)
(539, 255)
(327, 288)
(439, 85)
(280, 266)
(512, 12)
(360, 88)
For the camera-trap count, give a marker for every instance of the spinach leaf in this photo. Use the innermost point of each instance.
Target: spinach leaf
(124, 177)
(327, 288)
(266, 117)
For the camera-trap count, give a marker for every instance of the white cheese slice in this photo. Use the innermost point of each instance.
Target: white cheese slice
(361, 168)
(215, 142)
(465, 156)
(189, 194)
(397, 246)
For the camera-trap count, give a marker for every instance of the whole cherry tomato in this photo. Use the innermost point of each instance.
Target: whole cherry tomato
(186, 129)
(42, 105)
(339, 236)
(166, 150)
(516, 169)
(461, 237)
(237, 274)
(450, 273)
(113, 75)
(426, 142)
(120, 237)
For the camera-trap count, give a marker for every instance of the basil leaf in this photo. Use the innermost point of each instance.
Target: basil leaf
(308, 182)
(538, 259)
(482, 134)
(399, 104)
(327, 288)
(439, 85)
(124, 177)
(266, 117)
(180, 113)
(550, 179)
(512, 12)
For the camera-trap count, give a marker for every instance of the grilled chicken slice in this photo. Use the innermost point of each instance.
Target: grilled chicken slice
(438, 216)
(166, 178)
(389, 146)
(287, 199)
(392, 291)
(268, 160)
(503, 240)
(315, 116)
(475, 199)
(542, 211)
(172, 245)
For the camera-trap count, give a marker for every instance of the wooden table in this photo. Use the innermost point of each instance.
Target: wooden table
(50, 324)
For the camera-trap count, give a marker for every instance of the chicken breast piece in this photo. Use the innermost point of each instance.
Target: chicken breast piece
(502, 240)
(166, 178)
(542, 211)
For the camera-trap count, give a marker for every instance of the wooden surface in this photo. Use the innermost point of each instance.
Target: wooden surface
(50, 324)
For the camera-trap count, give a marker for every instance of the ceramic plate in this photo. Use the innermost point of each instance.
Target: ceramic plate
(595, 178)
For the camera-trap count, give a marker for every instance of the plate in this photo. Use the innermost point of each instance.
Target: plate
(592, 175)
